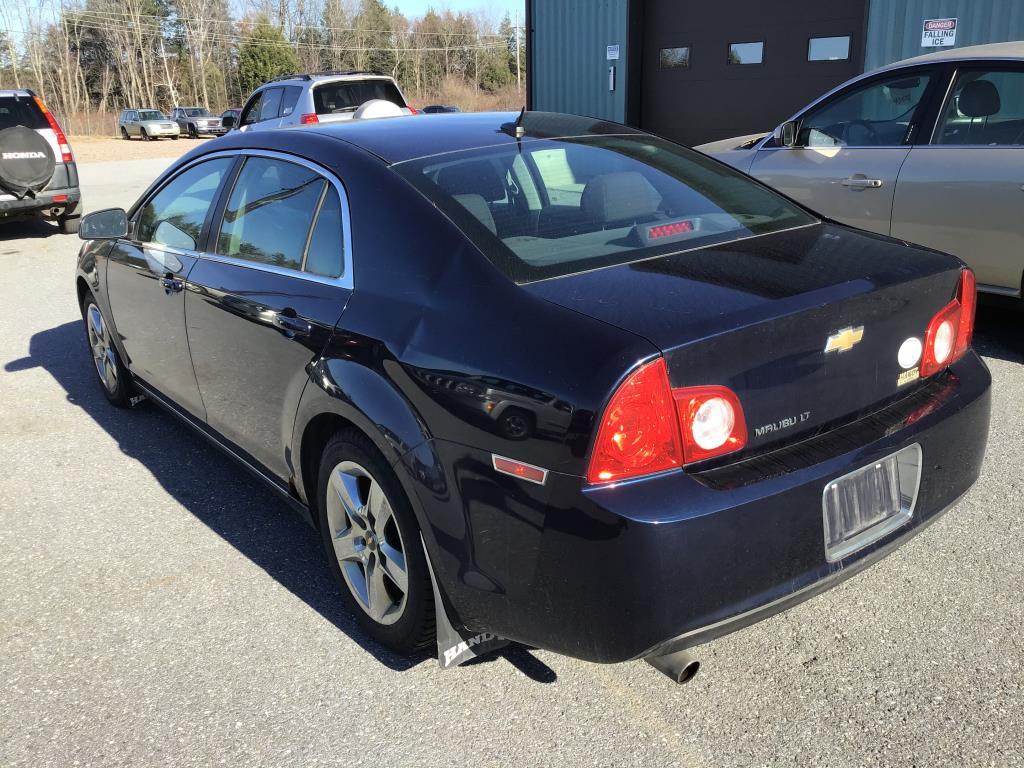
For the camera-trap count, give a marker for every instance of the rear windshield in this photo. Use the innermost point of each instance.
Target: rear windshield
(198, 112)
(151, 114)
(334, 98)
(557, 207)
(21, 110)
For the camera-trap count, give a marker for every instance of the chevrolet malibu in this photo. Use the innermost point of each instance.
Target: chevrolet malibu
(544, 378)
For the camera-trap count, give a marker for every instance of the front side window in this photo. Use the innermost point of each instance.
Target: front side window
(878, 114)
(198, 112)
(594, 201)
(251, 113)
(674, 58)
(746, 53)
(336, 98)
(269, 212)
(986, 107)
(150, 114)
(271, 103)
(828, 48)
(174, 216)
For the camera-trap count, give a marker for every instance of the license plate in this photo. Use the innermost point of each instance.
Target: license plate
(861, 507)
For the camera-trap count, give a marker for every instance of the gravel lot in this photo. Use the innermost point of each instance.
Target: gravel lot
(158, 607)
(99, 149)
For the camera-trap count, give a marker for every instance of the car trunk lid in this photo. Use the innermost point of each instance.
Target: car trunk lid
(757, 316)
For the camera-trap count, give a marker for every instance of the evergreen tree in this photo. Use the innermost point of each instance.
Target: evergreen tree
(263, 54)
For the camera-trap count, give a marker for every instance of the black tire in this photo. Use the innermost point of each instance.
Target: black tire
(145, 136)
(119, 388)
(414, 630)
(69, 225)
(192, 132)
(124, 134)
(175, 137)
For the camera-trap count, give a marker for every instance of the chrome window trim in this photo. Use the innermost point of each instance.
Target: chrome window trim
(345, 281)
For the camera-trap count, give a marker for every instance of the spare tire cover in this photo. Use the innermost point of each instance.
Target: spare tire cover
(377, 108)
(26, 161)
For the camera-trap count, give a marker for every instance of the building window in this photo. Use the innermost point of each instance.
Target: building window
(674, 58)
(828, 48)
(746, 53)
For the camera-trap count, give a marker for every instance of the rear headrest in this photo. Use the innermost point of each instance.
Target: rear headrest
(476, 177)
(979, 98)
(619, 197)
(476, 205)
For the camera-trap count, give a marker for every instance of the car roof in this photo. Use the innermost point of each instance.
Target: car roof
(1010, 50)
(10, 93)
(398, 139)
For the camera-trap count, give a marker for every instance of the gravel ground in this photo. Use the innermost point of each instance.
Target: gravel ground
(158, 607)
(99, 149)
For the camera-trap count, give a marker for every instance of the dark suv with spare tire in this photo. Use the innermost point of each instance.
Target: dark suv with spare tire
(38, 176)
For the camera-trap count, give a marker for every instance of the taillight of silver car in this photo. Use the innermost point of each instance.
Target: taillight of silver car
(649, 427)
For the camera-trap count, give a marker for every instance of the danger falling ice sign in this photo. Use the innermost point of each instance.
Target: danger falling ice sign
(938, 33)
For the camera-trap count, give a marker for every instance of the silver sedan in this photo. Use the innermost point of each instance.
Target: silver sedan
(929, 150)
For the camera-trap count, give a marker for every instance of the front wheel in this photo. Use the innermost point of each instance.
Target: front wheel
(192, 132)
(175, 137)
(113, 376)
(145, 136)
(372, 542)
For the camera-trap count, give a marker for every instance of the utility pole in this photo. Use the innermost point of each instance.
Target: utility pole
(519, 68)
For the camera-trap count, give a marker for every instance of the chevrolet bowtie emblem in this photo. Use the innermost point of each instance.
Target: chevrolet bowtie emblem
(844, 340)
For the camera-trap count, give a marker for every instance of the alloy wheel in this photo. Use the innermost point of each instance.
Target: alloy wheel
(102, 351)
(367, 542)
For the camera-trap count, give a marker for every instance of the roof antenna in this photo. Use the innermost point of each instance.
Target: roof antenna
(520, 130)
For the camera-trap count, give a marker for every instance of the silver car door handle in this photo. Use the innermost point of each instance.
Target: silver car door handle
(860, 182)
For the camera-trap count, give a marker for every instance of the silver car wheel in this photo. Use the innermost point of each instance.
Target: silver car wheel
(102, 352)
(367, 542)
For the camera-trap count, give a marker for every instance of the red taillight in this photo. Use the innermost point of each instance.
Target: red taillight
(639, 433)
(62, 141)
(711, 420)
(949, 334)
(649, 427)
(309, 119)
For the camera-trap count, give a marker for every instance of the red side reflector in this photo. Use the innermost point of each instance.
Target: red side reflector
(667, 230)
(519, 469)
(60, 198)
(62, 141)
(309, 119)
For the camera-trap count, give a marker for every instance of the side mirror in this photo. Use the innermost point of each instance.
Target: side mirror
(228, 121)
(108, 224)
(785, 134)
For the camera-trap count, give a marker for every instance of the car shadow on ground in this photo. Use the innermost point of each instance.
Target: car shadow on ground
(26, 229)
(220, 493)
(999, 328)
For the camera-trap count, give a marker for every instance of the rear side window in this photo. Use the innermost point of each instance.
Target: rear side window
(986, 108)
(21, 110)
(290, 99)
(556, 207)
(269, 212)
(337, 98)
(326, 253)
(271, 103)
(174, 216)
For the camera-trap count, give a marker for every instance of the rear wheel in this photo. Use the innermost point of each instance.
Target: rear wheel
(373, 545)
(69, 225)
(124, 134)
(113, 376)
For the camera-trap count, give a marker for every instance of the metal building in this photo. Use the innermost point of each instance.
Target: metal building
(695, 71)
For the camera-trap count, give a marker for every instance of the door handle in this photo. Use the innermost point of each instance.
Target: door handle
(171, 284)
(292, 325)
(860, 181)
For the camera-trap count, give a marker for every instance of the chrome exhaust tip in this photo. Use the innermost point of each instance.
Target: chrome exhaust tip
(680, 666)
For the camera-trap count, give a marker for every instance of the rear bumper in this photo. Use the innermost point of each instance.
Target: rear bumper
(614, 573)
(61, 193)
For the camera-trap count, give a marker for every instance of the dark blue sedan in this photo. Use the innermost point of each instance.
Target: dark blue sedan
(544, 378)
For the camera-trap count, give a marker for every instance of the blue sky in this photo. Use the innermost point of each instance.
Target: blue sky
(495, 7)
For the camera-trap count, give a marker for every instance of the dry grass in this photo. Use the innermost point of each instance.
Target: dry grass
(469, 98)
